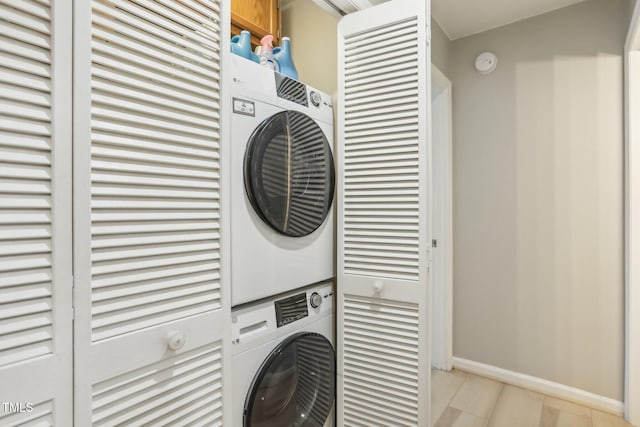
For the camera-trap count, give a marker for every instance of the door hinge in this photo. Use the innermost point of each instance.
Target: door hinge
(434, 243)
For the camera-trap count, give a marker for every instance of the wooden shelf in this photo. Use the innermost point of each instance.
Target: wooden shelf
(260, 17)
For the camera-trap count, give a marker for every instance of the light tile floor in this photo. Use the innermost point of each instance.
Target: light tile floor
(460, 399)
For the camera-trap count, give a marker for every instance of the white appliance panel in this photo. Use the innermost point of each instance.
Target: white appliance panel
(255, 335)
(263, 261)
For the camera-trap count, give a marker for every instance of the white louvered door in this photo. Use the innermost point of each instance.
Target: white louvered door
(152, 300)
(383, 216)
(35, 213)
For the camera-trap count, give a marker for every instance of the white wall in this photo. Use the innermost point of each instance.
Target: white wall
(440, 49)
(538, 197)
(314, 35)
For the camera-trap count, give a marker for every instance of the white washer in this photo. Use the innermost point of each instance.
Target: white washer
(282, 182)
(283, 365)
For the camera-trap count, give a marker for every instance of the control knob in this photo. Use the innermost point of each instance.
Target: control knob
(315, 98)
(315, 300)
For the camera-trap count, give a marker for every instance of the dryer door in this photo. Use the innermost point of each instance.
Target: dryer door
(289, 173)
(295, 386)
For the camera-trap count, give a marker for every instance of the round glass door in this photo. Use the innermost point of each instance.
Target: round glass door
(295, 386)
(289, 173)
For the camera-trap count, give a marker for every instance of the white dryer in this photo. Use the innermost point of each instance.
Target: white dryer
(284, 362)
(282, 182)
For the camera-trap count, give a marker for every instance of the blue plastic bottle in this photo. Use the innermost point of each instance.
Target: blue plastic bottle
(282, 54)
(241, 46)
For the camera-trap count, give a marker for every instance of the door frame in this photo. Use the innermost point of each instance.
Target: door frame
(442, 289)
(632, 220)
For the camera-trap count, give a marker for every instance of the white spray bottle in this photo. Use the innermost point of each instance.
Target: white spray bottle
(266, 53)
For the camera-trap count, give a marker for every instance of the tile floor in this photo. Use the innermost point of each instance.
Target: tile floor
(459, 399)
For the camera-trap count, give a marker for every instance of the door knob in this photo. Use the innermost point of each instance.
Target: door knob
(176, 340)
(378, 285)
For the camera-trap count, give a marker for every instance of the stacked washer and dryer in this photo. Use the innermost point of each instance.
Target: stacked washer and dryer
(282, 263)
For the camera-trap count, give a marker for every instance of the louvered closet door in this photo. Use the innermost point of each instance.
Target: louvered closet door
(383, 207)
(152, 301)
(35, 213)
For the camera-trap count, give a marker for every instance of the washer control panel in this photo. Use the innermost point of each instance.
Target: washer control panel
(304, 306)
(315, 300)
(316, 98)
(290, 309)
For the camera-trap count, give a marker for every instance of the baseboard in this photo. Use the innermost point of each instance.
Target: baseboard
(540, 385)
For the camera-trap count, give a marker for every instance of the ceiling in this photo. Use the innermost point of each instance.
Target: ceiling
(338, 8)
(459, 18)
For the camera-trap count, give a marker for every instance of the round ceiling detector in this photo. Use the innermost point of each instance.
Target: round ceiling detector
(486, 62)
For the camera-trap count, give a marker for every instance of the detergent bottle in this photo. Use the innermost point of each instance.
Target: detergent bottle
(266, 53)
(241, 44)
(283, 56)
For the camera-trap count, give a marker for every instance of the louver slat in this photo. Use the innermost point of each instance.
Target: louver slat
(41, 415)
(381, 147)
(380, 362)
(155, 195)
(178, 390)
(26, 270)
(35, 213)
(21, 12)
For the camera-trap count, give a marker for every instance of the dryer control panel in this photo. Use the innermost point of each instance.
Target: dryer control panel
(254, 82)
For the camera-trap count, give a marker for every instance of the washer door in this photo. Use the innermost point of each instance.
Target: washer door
(295, 386)
(289, 173)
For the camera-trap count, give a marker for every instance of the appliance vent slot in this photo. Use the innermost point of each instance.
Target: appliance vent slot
(291, 309)
(291, 90)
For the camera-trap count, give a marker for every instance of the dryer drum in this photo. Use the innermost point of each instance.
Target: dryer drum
(289, 174)
(295, 386)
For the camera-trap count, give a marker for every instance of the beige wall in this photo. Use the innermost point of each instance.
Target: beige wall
(313, 33)
(440, 49)
(538, 197)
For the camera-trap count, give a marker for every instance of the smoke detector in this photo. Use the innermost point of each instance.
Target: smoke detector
(486, 62)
